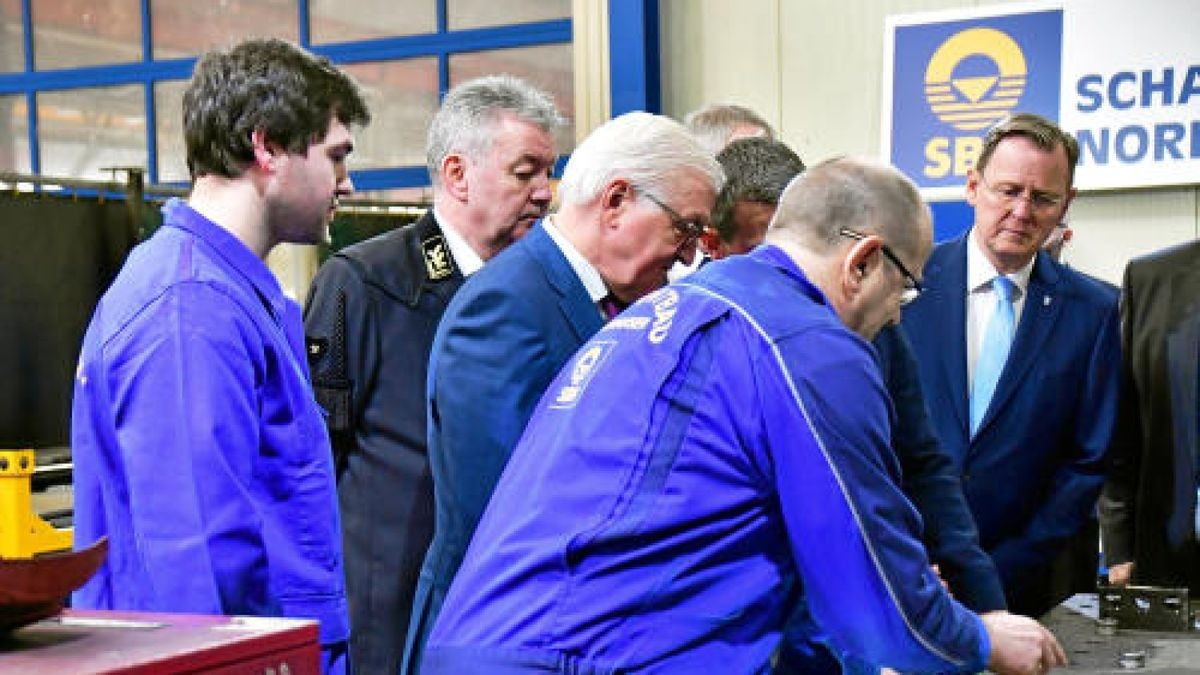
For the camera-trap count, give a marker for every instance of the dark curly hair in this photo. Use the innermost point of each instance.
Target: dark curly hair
(272, 85)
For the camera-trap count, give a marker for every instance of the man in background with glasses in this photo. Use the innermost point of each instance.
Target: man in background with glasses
(634, 197)
(1018, 358)
(719, 455)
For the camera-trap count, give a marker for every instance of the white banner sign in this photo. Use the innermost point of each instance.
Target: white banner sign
(1123, 77)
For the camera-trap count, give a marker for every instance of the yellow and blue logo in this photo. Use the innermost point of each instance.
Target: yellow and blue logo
(953, 80)
(974, 102)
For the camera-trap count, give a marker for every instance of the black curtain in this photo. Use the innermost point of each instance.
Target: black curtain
(352, 227)
(57, 255)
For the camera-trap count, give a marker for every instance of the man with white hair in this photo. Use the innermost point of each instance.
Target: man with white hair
(634, 197)
(719, 455)
(370, 320)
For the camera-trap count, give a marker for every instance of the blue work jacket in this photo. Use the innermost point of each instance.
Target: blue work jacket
(717, 454)
(198, 448)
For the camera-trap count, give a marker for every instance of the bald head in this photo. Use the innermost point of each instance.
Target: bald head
(861, 233)
(854, 194)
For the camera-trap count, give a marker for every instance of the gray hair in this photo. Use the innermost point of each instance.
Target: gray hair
(466, 120)
(853, 194)
(713, 123)
(650, 151)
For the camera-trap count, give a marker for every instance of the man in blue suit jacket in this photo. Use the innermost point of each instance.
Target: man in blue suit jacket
(635, 196)
(1033, 464)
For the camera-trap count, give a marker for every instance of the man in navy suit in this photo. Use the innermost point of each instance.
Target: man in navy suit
(370, 320)
(1025, 405)
(1148, 508)
(634, 197)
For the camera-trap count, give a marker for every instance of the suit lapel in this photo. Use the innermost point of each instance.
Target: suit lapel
(947, 280)
(1043, 304)
(573, 299)
(1182, 344)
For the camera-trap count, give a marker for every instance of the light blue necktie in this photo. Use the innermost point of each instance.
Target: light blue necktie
(997, 340)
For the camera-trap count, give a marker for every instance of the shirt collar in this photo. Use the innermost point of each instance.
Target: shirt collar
(592, 281)
(465, 257)
(981, 271)
(179, 214)
(776, 256)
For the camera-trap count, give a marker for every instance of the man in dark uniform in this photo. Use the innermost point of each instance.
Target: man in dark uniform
(370, 321)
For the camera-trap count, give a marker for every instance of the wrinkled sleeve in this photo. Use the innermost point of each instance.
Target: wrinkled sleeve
(340, 321)
(855, 538)
(1117, 499)
(933, 484)
(184, 399)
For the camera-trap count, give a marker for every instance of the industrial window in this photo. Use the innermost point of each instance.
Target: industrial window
(87, 85)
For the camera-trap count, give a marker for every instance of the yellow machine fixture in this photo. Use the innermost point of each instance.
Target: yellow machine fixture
(23, 533)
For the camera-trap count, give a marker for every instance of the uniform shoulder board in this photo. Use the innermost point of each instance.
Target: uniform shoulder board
(438, 263)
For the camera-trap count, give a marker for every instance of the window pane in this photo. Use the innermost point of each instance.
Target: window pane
(82, 131)
(14, 134)
(168, 116)
(479, 13)
(418, 197)
(547, 66)
(346, 20)
(12, 47)
(86, 33)
(403, 96)
(192, 27)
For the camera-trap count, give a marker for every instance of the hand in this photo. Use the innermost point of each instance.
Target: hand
(1119, 575)
(1021, 645)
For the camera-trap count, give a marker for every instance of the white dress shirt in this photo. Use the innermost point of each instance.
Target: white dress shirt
(592, 281)
(465, 257)
(981, 299)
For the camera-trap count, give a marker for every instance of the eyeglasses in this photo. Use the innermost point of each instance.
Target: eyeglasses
(1009, 194)
(688, 229)
(912, 287)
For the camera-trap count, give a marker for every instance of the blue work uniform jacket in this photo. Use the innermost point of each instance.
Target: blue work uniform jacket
(717, 454)
(198, 448)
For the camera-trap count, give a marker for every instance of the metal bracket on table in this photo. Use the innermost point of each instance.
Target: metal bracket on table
(1146, 607)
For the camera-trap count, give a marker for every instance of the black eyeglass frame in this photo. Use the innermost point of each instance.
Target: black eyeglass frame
(689, 229)
(912, 286)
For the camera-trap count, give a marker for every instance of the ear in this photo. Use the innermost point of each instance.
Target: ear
(860, 261)
(711, 244)
(972, 186)
(266, 152)
(454, 176)
(1067, 204)
(615, 199)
